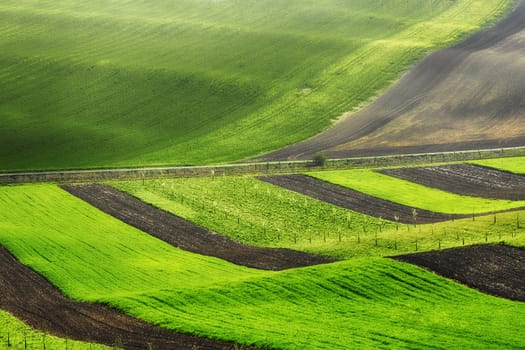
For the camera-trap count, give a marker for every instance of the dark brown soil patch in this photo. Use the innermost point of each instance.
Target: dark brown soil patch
(354, 200)
(466, 179)
(186, 235)
(466, 97)
(31, 298)
(494, 269)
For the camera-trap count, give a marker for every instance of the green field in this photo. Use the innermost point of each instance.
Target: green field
(252, 211)
(514, 164)
(412, 194)
(257, 213)
(16, 335)
(98, 83)
(370, 301)
(135, 83)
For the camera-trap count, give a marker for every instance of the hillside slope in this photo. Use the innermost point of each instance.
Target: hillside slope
(120, 83)
(470, 96)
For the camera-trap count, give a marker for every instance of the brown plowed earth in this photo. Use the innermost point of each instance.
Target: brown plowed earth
(465, 179)
(354, 200)
(467, 97)
(186, 235)
(31, 298)
(495, 269)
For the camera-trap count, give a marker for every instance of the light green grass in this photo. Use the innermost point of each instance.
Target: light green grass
(98, 83)
(412, 194)
(361, 303)
(504, 227)
(252, 211)
(44, 215)
(15, 335)
(514, 164)
(257, 213)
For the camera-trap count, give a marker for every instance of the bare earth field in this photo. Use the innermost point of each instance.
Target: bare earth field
(494, 269)
(470, 96)
(465, 179)
(186, 235)
(354, 200)
(34, 300)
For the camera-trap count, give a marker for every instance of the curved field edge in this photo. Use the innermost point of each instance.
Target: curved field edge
(92, 257)
(444, 89)
(514, 165)
(15, 334)
(293, 71)
(413, 194)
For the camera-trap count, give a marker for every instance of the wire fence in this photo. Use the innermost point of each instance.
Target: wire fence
(254, 168)
(39, 341)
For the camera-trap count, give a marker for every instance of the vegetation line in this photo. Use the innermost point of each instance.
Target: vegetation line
(253, 168)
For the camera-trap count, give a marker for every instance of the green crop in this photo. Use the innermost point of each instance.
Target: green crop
(412, 194)
(359, 303)
(514, 164)
(253, 211)
(126, 83)
(14, 334)
(257, 213)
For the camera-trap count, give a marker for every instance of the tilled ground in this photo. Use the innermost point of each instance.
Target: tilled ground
(466, 179)
(466, 97)
(356, 201)
(30, 297)
(494, 269)
(186, 235)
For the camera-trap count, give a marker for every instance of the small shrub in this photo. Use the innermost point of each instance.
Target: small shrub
(319, 159)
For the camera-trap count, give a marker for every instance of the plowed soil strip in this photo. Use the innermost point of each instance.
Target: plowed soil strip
(466, 97)
(466, 179)
(31, 298)
(494, 269)
(353, 200)
(186, 235)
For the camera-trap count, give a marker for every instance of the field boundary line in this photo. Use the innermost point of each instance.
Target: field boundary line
(253, 168)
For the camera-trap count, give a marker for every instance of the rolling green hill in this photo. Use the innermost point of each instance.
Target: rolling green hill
(372, 302)
(98, 83)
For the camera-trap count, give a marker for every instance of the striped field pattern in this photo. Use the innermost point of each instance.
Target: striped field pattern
(363, 302)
